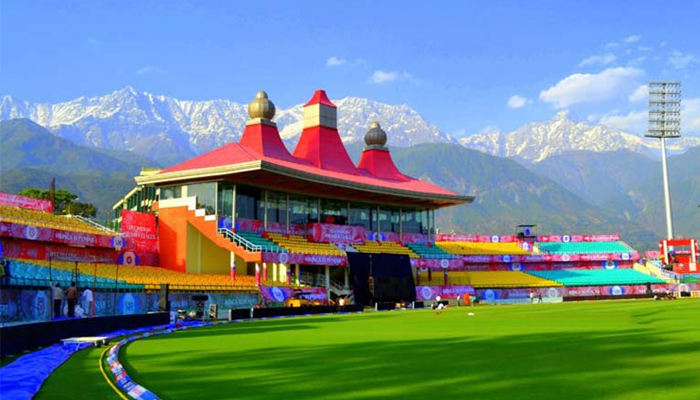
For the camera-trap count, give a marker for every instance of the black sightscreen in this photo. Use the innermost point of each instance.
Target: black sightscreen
(390, 274)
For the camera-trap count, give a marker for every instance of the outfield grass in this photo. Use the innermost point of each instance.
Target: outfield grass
(598, 350)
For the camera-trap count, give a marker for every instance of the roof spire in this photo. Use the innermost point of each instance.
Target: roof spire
(261, 108)
(375, 138)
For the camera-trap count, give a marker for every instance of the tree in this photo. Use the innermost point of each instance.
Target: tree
(64, 201)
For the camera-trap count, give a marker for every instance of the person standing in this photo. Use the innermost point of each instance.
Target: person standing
(532, 297)
(57, 300)
(88, 301)
(72, 297)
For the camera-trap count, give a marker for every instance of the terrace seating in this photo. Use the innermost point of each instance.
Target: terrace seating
(371, 246)
(477, 248)
(43, 219)
(300, 245)
(257, 240)
(597, 277)
(498, 279)
(426, 251)
(584, 247)
(149, 278)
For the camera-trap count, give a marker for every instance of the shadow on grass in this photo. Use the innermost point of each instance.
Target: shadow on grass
(594, 365)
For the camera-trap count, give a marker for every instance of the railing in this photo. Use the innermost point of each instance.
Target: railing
(92, 223)
(247, 244)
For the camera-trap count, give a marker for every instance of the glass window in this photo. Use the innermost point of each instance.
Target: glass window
(361, 215)
(334, 212)
(170, 192)
(225, 199)
(249, 204)
(205, 194)
(276, 207)
(388, 219)
(409, 222)
(299, 210)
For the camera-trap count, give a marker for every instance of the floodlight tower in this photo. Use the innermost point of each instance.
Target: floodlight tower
(665, 123)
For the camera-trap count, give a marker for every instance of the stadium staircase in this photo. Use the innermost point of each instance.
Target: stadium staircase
(208, 226)
(339, 288)
(654, 268)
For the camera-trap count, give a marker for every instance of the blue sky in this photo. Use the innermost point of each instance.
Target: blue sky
(465, 66)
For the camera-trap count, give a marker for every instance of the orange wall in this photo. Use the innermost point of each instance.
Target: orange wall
(172, 238)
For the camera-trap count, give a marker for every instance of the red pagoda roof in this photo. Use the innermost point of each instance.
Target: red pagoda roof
(261, 149)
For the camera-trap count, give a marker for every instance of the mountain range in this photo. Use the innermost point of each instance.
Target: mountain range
(563, 175)
(536, 141)
(171, 130)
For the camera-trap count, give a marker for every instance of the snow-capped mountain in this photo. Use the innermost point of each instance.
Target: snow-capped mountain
(536, 141)
(170, 129)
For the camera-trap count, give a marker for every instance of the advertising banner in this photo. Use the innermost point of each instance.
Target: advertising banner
(13, 200)
(303, 259)
(616, 290)
(427, 293)
(418, 238)
(515, 296)
(577, 238)
(549, 258)
(329, 233)
(24, 305)
(475, 238)
(451, 264)
(251, 225)
(278, 294)
(42, 251)
(140, 231)
(652, 254)
(41, 234)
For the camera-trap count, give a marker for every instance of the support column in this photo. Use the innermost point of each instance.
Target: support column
(283, 274)
(401, 224)
(265, 211)
(274, 272)
(287, 210)
(346, 277)
(378, 222)
(328, 281)
(667, 192)
(233, 209)
(297, 270)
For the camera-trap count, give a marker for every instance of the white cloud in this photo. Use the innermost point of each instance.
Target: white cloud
(680, 60)
(335, 61)
(641, 93)
(611, 45)
(635, 62)
(591, 88)
(690, 115)
(149, 69)
(635, 121)
(602, 59)
(517, 101)
(633, 38)
(380, 77)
